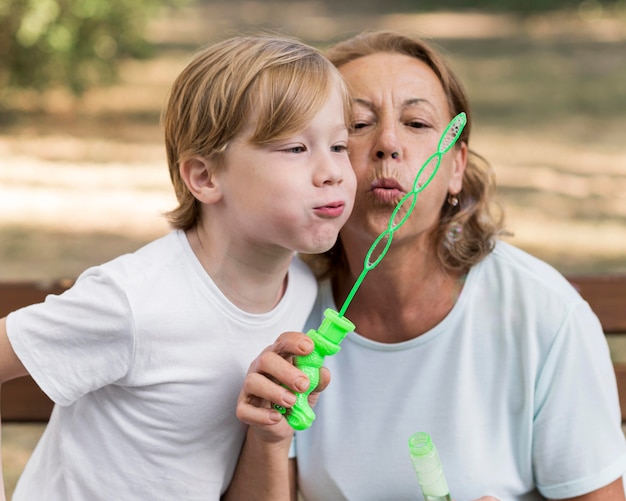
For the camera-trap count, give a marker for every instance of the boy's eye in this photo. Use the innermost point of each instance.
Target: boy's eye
(295, 149)
(339, 148)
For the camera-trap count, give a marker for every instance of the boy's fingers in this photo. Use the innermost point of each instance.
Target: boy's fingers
(324, 380)
(293, 343)
(259, 391)
(276, 368)
(251, 415)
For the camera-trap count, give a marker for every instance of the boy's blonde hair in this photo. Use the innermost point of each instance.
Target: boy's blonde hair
(279, 82)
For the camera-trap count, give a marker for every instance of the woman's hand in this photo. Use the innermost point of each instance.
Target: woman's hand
(269, 380)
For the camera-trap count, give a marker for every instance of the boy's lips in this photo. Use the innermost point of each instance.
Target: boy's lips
(332, 209)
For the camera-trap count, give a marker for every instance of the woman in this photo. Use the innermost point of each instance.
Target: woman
(458, 334)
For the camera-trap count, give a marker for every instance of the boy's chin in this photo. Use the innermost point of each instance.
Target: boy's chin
(319, 247)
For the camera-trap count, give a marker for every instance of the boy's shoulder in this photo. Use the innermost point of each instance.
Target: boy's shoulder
(153, 258)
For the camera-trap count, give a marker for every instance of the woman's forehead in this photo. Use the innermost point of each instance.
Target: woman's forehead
(406, 81)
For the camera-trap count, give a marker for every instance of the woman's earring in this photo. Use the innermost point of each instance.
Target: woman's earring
(453, 200)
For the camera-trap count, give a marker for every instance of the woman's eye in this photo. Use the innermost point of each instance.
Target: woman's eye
(359, 125)
(416, 124)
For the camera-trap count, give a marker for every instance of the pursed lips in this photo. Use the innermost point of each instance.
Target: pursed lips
(387, 189)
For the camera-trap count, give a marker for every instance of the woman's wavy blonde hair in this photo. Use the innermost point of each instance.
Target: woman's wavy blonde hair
(467, 231)
(278, 81)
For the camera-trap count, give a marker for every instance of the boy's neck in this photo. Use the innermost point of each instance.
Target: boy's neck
(251, 283)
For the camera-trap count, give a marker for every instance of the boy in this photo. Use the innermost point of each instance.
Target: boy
(146, 354)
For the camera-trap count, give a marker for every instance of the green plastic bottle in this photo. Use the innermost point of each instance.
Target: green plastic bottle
(427, 465)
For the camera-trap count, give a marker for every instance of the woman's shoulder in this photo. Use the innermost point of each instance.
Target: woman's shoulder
(517, 269)
(511, 283)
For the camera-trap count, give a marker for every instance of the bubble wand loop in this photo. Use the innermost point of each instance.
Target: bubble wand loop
(335, 326)
(454, 129)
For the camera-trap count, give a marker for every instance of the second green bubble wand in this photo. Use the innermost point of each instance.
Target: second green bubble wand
(335, 326)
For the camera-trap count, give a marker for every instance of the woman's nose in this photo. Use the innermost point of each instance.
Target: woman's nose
(387, 143)
(394, 154)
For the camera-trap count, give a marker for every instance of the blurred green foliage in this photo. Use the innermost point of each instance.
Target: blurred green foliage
(70, 43)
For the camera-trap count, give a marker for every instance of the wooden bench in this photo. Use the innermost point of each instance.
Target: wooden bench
(22, 400)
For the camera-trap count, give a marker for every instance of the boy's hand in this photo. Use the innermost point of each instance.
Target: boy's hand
(267, 382)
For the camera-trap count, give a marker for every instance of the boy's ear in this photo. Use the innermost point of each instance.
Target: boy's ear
(199, 175)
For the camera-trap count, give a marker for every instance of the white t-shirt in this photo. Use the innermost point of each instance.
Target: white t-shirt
(145, 358)
(515, 387)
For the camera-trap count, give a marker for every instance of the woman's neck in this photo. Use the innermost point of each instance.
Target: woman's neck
(406, 295)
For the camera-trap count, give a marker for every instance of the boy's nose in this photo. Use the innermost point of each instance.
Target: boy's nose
(328, 172)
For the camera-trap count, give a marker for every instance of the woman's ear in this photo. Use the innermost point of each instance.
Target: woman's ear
(459, 163)
(199, 176)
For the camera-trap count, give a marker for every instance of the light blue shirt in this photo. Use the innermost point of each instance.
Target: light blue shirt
(515, 386)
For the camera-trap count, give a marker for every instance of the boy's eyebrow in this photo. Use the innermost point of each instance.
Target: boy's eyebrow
(339, 127)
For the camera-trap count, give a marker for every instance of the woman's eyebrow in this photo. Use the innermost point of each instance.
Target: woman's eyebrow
(417, 101)
(407, 103)
(364, 102)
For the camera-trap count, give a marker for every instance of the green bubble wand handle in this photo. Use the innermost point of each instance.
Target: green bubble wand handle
(327, 338)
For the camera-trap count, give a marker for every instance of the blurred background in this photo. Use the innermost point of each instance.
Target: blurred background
(83, 176)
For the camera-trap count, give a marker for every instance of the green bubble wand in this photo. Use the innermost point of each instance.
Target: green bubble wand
(335, 326)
